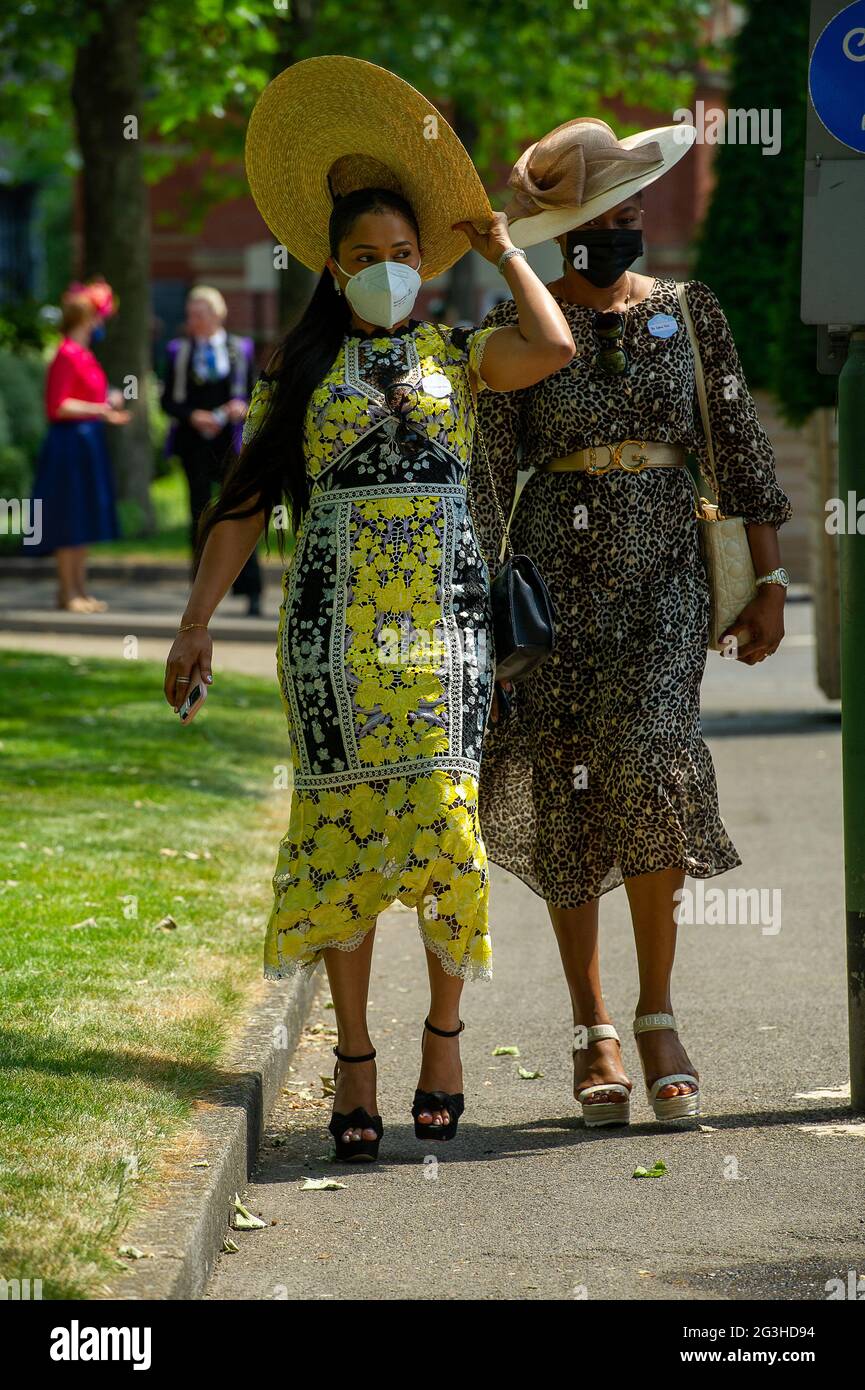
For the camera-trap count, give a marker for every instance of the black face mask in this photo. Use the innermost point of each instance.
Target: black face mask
(609, 252)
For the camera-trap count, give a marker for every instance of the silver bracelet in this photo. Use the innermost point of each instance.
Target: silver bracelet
(506, 256)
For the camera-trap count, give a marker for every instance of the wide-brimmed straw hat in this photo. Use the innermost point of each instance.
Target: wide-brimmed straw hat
(581, 170)
(327, 126)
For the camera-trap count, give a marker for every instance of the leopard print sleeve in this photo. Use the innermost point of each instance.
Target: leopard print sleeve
(744, 458)
(500, 424)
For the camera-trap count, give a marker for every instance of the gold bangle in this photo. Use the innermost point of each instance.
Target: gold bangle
(187, 627)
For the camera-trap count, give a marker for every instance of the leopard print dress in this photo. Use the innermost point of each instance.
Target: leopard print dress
(601, 772)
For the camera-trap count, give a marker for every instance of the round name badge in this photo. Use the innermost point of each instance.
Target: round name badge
(436, 384)
(662, 326)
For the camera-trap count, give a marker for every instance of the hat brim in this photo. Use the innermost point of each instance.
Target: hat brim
(674, 140)
(331, 108)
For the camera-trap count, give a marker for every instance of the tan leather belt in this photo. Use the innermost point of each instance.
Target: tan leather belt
(633, 455)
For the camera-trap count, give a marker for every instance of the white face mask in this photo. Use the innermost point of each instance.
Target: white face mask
(383, 293)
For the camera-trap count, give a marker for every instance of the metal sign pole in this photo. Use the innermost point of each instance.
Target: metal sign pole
(833, 297)
(851, 482)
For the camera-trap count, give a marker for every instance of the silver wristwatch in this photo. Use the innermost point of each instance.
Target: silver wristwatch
(778, 576)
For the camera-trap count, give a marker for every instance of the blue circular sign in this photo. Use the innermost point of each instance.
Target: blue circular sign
(836, 76)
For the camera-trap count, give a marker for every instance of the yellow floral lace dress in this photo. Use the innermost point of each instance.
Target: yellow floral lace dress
(385, 657)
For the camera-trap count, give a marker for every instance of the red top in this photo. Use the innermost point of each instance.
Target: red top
(74, 373)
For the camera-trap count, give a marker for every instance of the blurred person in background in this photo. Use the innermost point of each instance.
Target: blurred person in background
(74, 478)
(208, 381)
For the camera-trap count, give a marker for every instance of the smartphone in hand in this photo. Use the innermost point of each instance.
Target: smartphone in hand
(195, 699)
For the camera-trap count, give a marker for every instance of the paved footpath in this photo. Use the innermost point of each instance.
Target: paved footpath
(765, 1200)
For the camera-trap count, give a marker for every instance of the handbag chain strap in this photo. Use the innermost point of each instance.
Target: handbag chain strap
(479, 435)
(707, 507)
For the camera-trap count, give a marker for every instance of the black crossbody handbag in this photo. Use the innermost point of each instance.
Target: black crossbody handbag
(523, 613)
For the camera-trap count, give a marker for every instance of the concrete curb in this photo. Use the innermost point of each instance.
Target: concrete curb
(128, 571)
(185, 1232)
(123, 623)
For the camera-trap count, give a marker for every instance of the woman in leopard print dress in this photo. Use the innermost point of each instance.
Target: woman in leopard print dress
(600, 775)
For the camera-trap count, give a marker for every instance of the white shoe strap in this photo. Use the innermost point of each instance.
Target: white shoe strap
(651, 1023)
(584, 1037)
(669, 1081)
(606, 1086)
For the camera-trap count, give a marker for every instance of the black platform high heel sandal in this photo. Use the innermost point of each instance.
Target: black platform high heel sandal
(438, 1100)
(355, 1150)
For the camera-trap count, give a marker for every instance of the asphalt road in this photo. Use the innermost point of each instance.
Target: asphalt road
(764, 1201)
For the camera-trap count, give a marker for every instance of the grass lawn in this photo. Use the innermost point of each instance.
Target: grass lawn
(115, 817)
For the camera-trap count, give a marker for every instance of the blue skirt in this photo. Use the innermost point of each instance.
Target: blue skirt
(75, 483)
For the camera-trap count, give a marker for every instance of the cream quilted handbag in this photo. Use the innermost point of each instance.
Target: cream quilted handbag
(723, 539)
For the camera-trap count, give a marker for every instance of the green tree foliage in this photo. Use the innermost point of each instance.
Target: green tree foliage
(202, 65)
(124, 90)
(510, 71)
(750, 249)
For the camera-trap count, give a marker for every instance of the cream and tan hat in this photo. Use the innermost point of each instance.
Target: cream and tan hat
(580, 170)
(327, 126)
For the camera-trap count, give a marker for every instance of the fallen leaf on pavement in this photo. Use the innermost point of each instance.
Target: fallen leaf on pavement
(320, 1185)
(243, 1219)
(505, 1052)
(657, 1170)
(528, 1075)
(229, 1246)
(132, 1252)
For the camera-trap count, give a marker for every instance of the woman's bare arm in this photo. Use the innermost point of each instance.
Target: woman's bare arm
(226, 551)
(541, 343)
(72, 409)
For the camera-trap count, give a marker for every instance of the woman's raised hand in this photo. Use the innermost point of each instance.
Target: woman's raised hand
(488, 244)
(188, 650)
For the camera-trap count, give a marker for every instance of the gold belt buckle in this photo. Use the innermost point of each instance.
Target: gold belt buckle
(641, 459)
(615, 460)
(595, 469)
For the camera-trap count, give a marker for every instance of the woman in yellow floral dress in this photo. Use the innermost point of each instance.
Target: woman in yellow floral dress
(363, 427)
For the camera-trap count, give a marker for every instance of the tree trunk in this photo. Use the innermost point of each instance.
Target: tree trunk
(107, 98)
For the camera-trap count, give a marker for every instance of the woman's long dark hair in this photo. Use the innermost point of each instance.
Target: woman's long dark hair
(271, 469)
